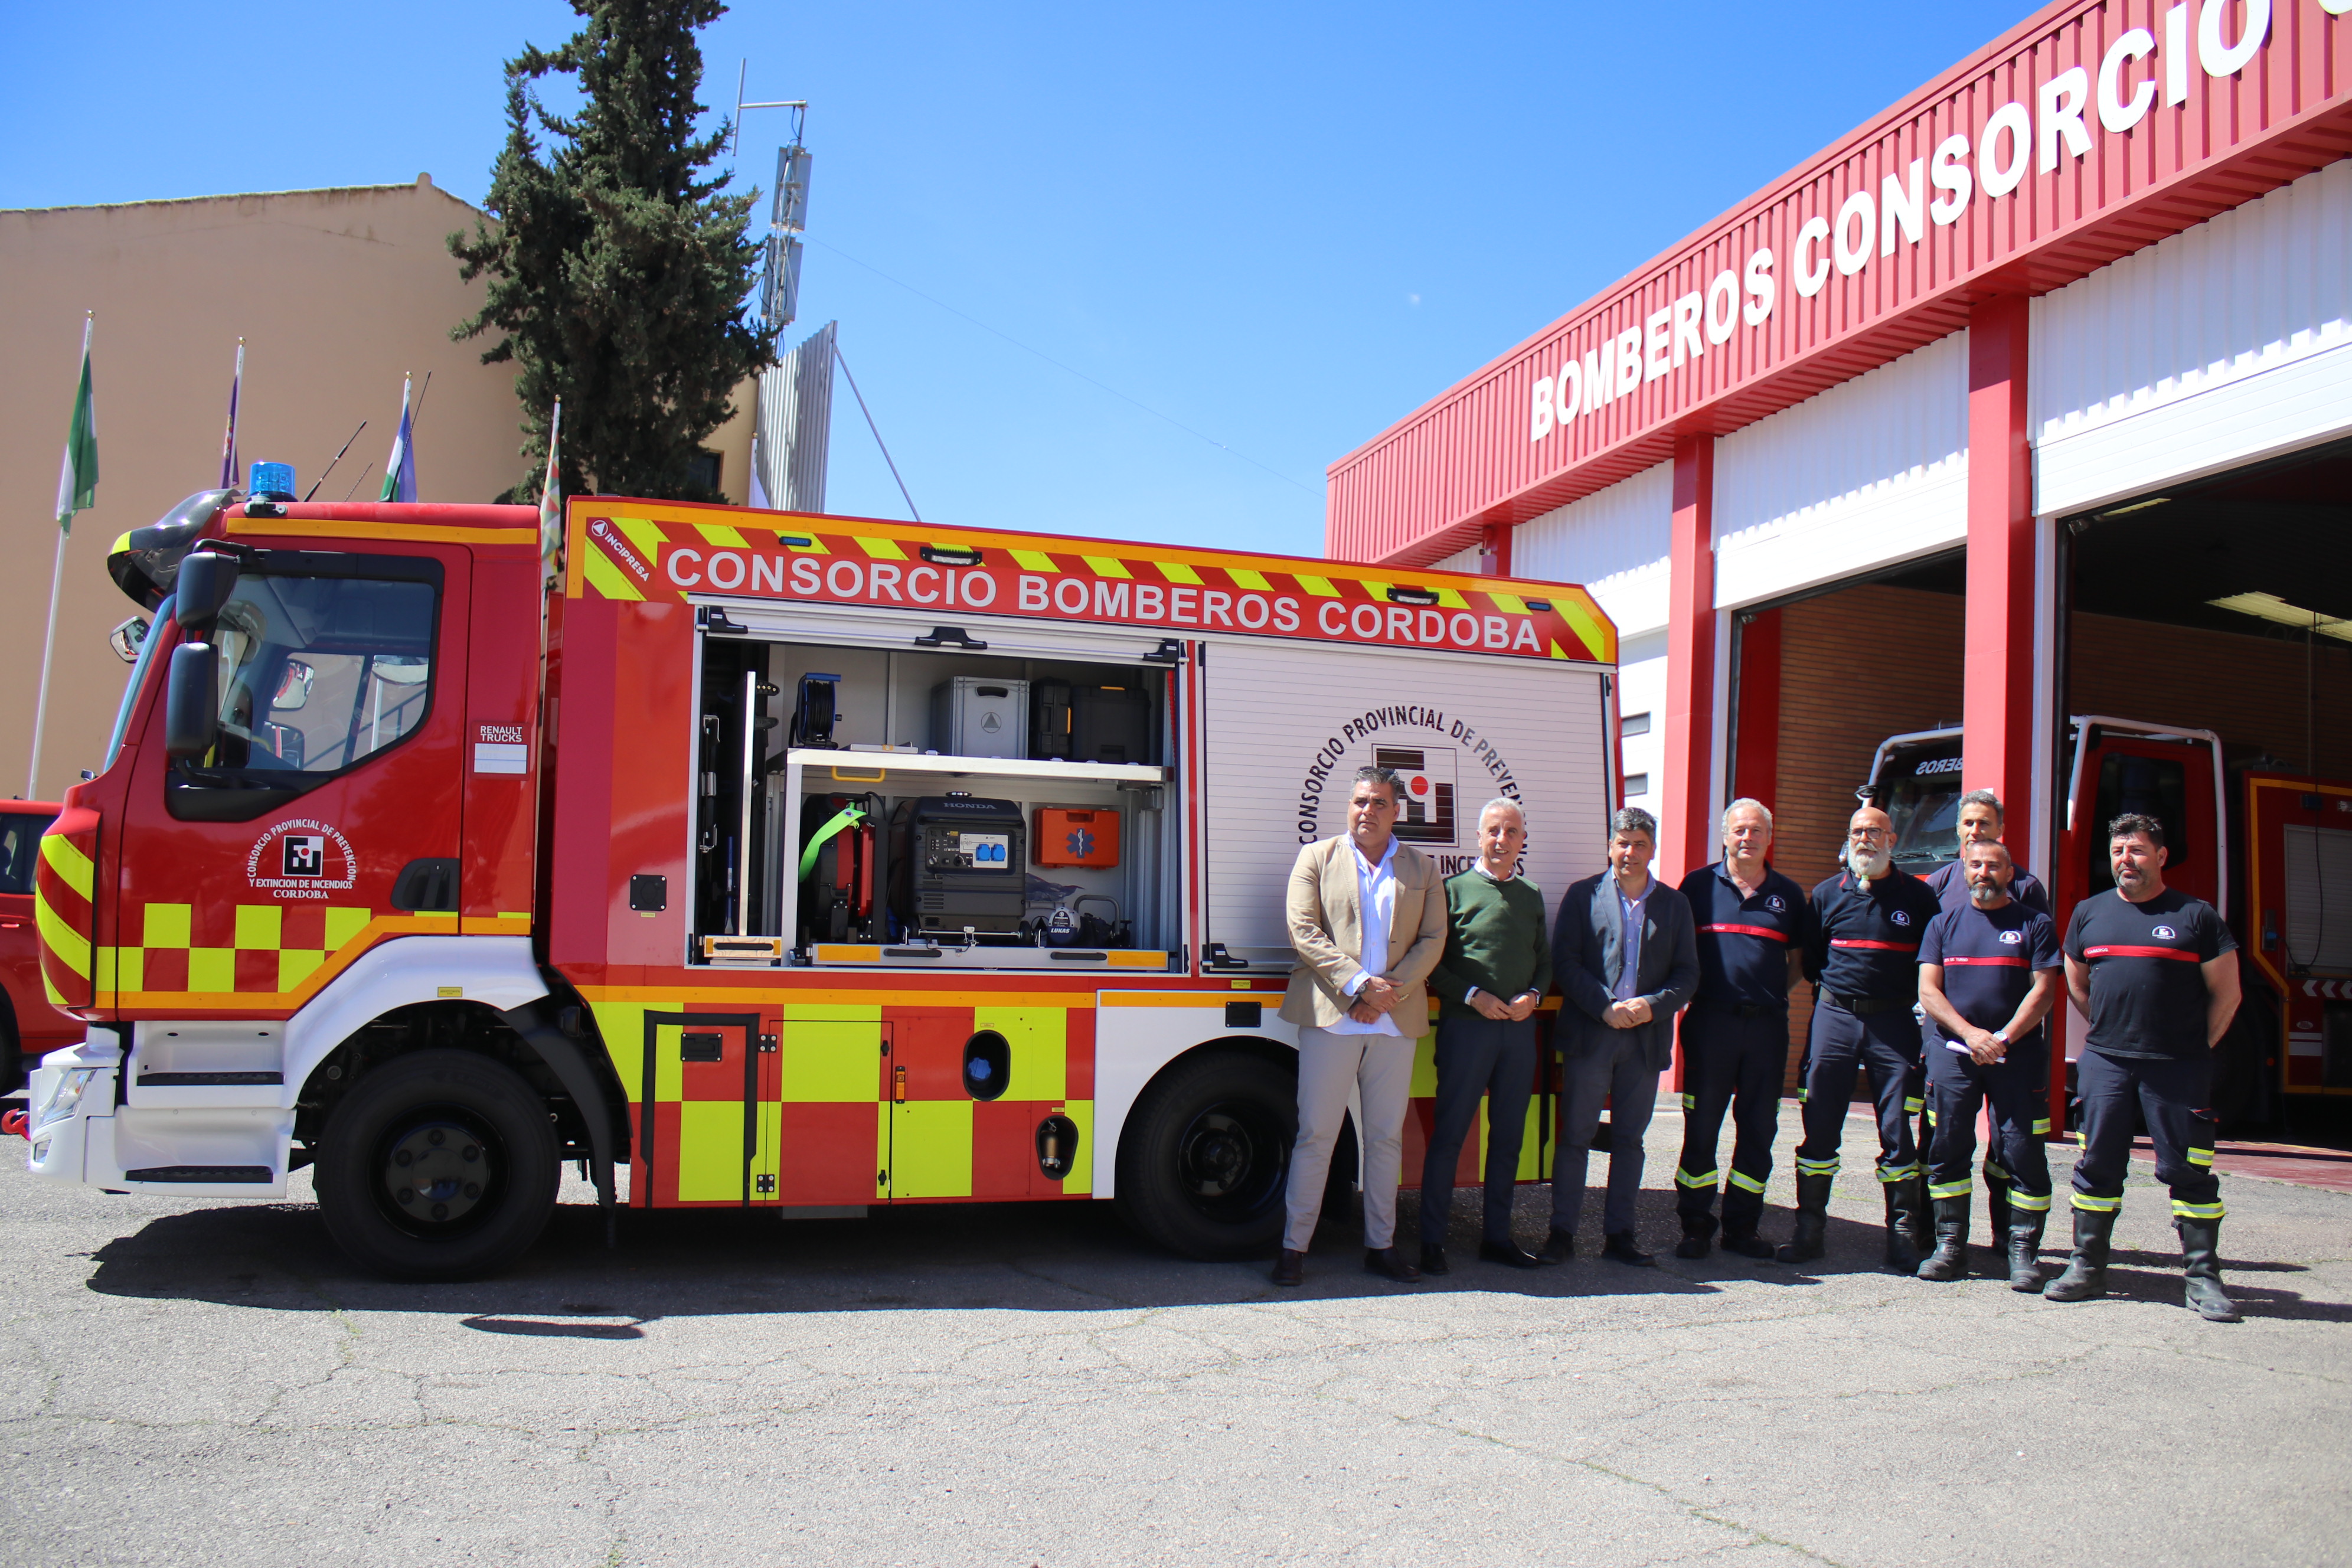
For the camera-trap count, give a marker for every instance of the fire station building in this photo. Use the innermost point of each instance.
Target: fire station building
(2029, 400)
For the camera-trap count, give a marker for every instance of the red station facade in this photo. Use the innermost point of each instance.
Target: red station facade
(2026, 225)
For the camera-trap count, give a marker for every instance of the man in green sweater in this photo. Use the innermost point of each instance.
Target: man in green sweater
(1496, 971)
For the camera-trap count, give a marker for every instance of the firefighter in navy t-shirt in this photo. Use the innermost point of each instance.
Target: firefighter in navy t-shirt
(1753, 923)
(1863, 960)
(2156, 973)
(1989, 974)
(1980, 822)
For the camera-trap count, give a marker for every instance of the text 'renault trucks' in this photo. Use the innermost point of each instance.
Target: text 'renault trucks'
(795, 862)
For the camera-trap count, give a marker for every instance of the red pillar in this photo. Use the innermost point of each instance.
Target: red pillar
(1685, 834)
(1997, 648)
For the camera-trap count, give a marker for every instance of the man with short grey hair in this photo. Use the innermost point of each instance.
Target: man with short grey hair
(1494, 973)
(1752, 925)
(1367, 919)
(1625, 958)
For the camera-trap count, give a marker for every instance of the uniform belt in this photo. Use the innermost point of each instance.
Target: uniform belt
(1743, 1009)
(1863, 1006)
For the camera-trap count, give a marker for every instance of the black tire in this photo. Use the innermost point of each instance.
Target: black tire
(399, 1158)
(1204, 1154)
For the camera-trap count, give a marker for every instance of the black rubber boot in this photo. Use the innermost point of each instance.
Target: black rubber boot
(2025, 1248)
(1997, 1212)
(1698, 1229)
(2200, 1250)
(1949, 1261)
(1901, 1222)
(1808, 1240)
(1915, 1206)
(2087, 1272)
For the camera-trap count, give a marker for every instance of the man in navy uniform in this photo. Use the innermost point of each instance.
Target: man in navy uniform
(1862, 958)
(2155, 972)
(1752, 925)
(1989, 974)
(1981, 822)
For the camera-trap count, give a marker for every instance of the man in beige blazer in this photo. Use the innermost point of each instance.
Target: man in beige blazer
(1368, 921)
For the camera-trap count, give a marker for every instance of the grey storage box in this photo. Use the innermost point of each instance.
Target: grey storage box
(980, 715)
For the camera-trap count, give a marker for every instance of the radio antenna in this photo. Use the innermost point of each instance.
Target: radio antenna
(331, 467)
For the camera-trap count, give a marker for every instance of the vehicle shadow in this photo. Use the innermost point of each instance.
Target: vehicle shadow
(1013, 1256)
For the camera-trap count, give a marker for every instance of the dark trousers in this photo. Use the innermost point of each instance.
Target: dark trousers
(1884, 1044)
(1615, 1068)
(2172, 1096)
(1478, 1057)
(2018, 1091)
(1734, 1062)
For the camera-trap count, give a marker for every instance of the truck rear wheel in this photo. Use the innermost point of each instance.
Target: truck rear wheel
(1203, 1160)
(437, 1166)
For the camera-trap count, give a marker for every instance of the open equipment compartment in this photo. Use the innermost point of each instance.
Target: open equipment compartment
(849, 833)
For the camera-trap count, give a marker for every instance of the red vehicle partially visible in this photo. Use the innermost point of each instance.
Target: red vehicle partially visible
(30, 1027)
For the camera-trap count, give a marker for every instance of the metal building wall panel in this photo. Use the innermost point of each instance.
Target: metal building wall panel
(1617, 540)
(1287, 726)
(1478, 454)
(1868, 473)
(2209, 348)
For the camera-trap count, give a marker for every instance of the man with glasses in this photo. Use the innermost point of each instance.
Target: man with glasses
(1862, 957)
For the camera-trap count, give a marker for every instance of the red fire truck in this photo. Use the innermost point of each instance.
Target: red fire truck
(30, 1026)
(799, 862)
(2272, 851)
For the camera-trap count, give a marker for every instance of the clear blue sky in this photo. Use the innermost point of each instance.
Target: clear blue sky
(1281, 227)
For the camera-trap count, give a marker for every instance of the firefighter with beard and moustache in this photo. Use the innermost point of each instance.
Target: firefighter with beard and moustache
(1989, 976)
(1862, 957)
(2155, 972)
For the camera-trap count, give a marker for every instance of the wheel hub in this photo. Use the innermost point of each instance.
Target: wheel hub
(436, 1174)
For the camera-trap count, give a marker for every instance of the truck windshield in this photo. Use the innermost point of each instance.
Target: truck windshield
(1921, 795)
(131, 687)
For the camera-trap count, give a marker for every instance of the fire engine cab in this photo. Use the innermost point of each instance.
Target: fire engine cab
(750, 860)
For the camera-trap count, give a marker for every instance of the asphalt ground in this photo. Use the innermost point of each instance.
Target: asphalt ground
(194, 1383)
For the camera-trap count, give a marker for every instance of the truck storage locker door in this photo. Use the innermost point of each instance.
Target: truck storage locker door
(1286, 726)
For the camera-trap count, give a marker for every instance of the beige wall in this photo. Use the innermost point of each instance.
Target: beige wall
(336, 293)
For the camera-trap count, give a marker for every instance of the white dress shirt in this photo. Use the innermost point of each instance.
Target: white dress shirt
(1376, 898)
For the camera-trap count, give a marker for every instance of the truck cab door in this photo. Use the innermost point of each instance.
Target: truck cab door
(325, 818)
(2170, 780)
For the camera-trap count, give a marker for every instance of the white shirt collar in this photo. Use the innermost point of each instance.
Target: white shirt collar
(1379, 865)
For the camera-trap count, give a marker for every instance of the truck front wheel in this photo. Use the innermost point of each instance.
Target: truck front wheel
(437, 1166)
(1204, 1154)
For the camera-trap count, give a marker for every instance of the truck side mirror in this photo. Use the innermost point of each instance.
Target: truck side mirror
(204, 585)
(192, 700)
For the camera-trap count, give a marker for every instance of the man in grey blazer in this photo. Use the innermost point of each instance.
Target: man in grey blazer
(1625, 956)
(1367, 919)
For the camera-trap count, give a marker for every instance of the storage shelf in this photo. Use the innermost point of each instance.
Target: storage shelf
(864, 956)
(879, 767)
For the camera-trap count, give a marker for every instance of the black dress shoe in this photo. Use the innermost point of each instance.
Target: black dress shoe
(1387, 1262)
(1559, 1246)
(1433, 1260)
(1748, 1245)
(1509, 1254)
(1289, 1267)
(1620, 1248)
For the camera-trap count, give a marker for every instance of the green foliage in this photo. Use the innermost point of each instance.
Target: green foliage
(617, 277)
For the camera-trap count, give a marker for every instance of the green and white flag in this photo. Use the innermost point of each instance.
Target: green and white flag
(77, 481)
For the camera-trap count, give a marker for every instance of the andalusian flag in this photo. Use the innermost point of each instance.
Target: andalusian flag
(77, 481)
(551, 498)
(400, 469)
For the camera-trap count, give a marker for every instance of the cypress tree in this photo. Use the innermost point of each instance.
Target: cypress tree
(617, 275)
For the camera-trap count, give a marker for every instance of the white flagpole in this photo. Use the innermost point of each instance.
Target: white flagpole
(49, 636)
(48, 645)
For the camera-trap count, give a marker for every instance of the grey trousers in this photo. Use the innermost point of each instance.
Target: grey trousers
(1617, 1069)
(1330, 1065)
(1478, 1057)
